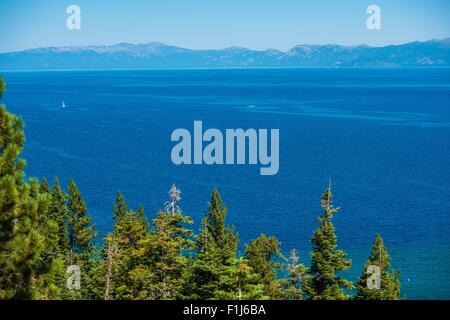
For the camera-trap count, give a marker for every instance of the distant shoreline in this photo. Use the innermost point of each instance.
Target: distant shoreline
(230, 68)
(161, 56)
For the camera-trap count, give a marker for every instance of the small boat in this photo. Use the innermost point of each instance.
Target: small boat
(63, 105)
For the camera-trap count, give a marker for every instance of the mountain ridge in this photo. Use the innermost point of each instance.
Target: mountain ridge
(435, 52)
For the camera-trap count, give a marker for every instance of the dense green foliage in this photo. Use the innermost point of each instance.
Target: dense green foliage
(261, 254)
(389, 280)
(44, 232)
(293, 286)
(326, 260)
(26, 236)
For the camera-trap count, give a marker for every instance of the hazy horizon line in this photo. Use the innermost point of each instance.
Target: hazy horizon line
(222, 48)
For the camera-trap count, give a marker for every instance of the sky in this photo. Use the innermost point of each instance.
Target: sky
(214, 24)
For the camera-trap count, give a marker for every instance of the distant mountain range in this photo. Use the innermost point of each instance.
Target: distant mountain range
(159, 55)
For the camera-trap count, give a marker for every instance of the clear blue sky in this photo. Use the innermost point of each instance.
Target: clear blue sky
(256, 24)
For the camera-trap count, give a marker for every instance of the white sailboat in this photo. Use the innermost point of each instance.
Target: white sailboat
(63, 105)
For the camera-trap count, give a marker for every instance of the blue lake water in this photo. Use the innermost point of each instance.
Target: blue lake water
(383, 135)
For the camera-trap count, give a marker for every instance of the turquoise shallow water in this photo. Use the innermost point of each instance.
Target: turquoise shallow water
(382, 134)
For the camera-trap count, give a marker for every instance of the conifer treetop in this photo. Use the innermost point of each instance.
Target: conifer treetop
(171, 206)
(326, 204)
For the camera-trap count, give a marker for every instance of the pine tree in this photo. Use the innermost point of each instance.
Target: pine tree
(139, 264)
(262, 254)
(81, 229)
(292, 286)
(204, 275)
(120, 208)
(326, 260)
(239, 282)
(120, 274)
(26, 271)
(167, 248)
(81, 234)
(216, 251)
(215, 233)
(143, 222)
(44, 187)
(125, 255)
(58, 212)
(389, 283)
(50, 259)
